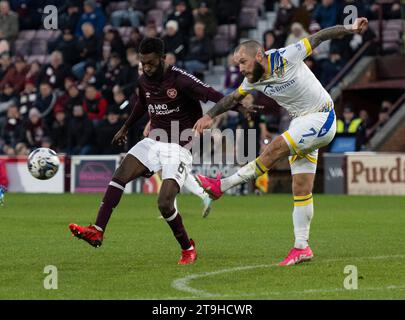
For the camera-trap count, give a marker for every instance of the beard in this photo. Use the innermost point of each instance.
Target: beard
(257, 72)
(158, 74)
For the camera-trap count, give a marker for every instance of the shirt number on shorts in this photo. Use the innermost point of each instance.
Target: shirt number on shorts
(181, 167)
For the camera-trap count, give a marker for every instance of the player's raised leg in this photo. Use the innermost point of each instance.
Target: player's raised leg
(275, 151)
(166, 204)
(302, 186)
(130, 169)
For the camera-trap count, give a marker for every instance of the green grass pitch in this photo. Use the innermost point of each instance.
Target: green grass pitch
(238, 246)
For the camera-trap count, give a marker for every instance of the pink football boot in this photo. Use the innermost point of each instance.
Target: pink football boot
(296, 256)
(211, 185)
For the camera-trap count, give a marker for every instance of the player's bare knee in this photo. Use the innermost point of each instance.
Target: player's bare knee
(122, 174)
(302, 185)
(165, 205)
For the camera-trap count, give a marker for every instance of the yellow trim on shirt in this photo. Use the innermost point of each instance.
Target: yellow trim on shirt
(242, 91)
(307, 46)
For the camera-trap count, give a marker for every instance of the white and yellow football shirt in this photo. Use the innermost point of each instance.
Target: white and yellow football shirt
(290, 82)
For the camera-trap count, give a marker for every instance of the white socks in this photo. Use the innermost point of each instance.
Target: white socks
(248, 172)
(302, 215)
(192, 185)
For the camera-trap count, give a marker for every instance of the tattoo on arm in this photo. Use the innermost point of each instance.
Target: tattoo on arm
(326, 34)
(225, 104)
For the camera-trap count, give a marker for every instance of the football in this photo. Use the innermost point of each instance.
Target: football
(43, 163)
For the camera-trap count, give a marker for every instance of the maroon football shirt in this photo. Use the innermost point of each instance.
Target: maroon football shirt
(175, 98)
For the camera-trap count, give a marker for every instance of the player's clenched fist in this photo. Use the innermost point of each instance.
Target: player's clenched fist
(359, 25)
(120, 137)
(203, 123)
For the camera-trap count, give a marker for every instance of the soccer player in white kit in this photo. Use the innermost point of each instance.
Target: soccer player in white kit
(282, 75)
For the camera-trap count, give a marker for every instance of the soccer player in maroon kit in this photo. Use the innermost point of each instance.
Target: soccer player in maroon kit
(170, 95)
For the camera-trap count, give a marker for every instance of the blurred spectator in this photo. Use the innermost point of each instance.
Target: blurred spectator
(389, 10)
(203, 13)
(113, 39)
(89, 77)
(5, 63)
(67, 45)
(105, 133)
(21, 149)
(383, 116)
(297, 33)
(362, 130)
(89, 48)
(12, 129)
(70, 18)
(304, 13)
(269, 40)
(93, 14)
(135, 39)
(233, 78)
(8, 23)
(111, 74)
(195, 5)
(199, 50)
(35, 129)
(80, 132)
(94, 104)
(130, 72)
(16, 74)
(285, 15)
(75, 98)
(7, 97)
(59, 131)
(135, 14)
(4, 46)
(228, 11)
(331, 67)
(119, 106)
(45, 102)
(327, 13)
(55, 71)
(349, 124)
(28, 98)
(173, 40)
(33, 72)
(151, 30)
(183, 16)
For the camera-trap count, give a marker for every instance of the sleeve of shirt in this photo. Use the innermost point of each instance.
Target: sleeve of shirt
(197, 89)
(296, 52)
(139, 108)
(245, 88)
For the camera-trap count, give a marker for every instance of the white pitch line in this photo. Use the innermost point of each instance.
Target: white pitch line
(182, 284)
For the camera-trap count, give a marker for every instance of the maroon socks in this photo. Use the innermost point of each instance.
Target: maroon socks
(111, 199)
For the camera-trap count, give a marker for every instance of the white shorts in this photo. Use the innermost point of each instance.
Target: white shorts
(174, 160)
(305, 136)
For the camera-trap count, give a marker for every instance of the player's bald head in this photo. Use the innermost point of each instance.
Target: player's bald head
(249, 47)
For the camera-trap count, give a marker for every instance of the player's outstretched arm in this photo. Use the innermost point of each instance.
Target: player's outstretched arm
(337, 31)
(223, 105)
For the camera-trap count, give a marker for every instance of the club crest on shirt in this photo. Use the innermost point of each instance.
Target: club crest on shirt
(172, 93)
